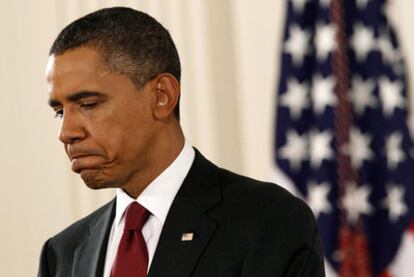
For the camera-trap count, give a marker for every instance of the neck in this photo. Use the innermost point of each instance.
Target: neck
(168, 147)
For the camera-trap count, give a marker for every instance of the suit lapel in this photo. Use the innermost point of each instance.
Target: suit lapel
(89, 259)
(188, 214)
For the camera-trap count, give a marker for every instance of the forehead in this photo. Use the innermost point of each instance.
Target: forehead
(86, 59)
(77, 69)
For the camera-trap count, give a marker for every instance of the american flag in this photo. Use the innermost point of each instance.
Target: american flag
(342, 136)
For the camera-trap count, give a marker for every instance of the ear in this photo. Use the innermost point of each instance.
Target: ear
(167, 95)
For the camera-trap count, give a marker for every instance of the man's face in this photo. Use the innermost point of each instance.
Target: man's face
(107, 125)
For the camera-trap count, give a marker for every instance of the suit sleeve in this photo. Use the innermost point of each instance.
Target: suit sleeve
(308, 262)
(306, 259)
(47, 261)
(289, 249)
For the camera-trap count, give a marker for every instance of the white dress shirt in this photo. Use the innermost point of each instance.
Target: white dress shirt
(157, 199)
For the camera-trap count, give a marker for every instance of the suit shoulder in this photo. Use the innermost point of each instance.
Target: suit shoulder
(267, 207)
(81, 226)
(242, 186)
(262, 194)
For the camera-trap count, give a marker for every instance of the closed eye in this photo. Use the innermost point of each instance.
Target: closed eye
(59, 113)
(88, 105)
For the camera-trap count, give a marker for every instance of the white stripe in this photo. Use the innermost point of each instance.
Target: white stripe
(403, 265)
(329, 271)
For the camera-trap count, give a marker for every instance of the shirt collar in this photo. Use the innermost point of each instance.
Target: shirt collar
(157, 197)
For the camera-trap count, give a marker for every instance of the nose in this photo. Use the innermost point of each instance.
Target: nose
(71, 128)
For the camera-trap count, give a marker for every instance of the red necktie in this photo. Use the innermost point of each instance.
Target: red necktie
(132, 256)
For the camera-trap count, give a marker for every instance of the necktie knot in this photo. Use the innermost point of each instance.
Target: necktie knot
(135, 217)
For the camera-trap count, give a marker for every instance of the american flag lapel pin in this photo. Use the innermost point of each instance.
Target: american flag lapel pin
(187, 236)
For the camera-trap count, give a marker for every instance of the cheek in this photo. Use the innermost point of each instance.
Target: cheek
(106, 133)
(123, 130)
(121, 139)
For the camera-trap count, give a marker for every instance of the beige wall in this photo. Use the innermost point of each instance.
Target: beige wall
(229, 51)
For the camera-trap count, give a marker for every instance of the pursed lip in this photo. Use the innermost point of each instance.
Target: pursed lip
(85, 160)
(80, 154)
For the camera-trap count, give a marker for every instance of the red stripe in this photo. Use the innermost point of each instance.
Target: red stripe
(412, 228)
(385, 274)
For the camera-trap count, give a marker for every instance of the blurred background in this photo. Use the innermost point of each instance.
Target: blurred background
(230, 52)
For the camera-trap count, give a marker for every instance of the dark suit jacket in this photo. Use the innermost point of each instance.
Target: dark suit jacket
(242, 227)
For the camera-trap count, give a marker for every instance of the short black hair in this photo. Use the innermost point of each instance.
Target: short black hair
(131, 42)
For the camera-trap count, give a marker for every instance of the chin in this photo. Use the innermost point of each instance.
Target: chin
(94, 179)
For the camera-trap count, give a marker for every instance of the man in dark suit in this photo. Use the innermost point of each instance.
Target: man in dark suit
(113, 80)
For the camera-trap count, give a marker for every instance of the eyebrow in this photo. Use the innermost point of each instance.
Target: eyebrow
(75, 97)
